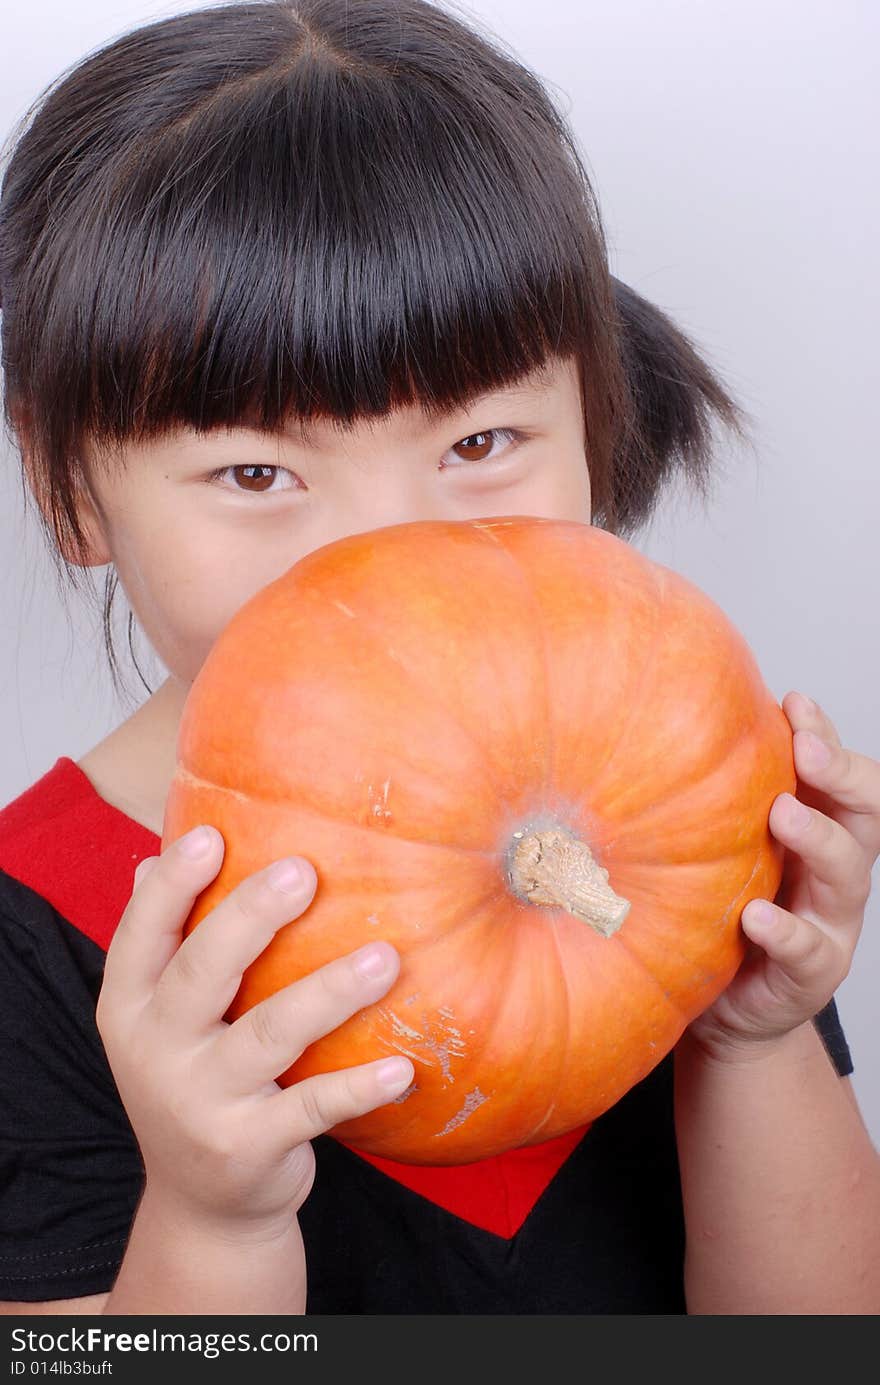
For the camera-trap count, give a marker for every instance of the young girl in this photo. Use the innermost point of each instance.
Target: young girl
(273, 273)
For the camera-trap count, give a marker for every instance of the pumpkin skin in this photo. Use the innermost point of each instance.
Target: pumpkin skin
(425, 710)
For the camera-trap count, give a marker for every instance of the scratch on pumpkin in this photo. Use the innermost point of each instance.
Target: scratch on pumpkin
(347, 609)
(487, 528)
(185, 777)
(442, 1046)
(730, 908)
(379, 802)
(471, 1102)
(413, 1087)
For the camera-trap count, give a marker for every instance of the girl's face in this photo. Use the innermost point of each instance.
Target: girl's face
(196, 524)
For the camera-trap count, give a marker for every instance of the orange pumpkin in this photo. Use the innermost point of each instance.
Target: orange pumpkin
(538, 763)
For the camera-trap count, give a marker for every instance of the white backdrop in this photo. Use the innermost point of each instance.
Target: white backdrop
(733, 148)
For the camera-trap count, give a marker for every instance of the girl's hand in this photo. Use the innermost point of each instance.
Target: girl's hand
(803, 949)
(221, 1142)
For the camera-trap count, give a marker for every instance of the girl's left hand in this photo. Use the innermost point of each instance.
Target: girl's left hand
(803, 950)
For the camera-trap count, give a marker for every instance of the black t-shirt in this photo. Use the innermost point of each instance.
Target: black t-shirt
(589, 1223)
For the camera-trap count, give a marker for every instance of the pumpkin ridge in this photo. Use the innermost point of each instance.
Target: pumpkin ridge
(541, 628)
(672, 801)
(633, 696)
(643, 967)
(562, 1024)
(658, 863)
(426, 693)
(418, 945)
(513, 961)
(181, 772)
(566, 994)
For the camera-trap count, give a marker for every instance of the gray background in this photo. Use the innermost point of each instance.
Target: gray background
(733, 150)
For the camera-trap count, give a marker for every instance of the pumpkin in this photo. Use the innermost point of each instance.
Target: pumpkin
(538, 763)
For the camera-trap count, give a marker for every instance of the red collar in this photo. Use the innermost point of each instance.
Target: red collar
(79, 852)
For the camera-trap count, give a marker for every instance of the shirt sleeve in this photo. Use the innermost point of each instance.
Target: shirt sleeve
(71, 1174)
(828, 1024)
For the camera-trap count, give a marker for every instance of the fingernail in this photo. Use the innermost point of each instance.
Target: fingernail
(371, 962)
(760, 913)
(287, 876)
(196, 843)
(818, 751)
(394, 1072)
(808, 702)
(797, 813)
(144, 867)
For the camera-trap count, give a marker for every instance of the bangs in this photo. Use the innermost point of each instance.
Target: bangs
(319, 238)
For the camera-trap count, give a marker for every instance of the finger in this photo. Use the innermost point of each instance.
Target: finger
(149, 932)
(806, 715)
(848, 782)
(837, 879)
(262, 1043)
(809, 962)
(317, 1104)
(201, 980)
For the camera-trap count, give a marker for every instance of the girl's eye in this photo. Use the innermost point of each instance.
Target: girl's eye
(257, 477)
(476, 447)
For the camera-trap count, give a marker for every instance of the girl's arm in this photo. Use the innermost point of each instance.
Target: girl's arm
(780, 1180)
(175, 1263)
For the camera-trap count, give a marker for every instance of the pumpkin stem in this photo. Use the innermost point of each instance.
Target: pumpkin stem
(549, 866)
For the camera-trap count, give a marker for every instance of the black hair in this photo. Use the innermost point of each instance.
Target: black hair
(312, 209)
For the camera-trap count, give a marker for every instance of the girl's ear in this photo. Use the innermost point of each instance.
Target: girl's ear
(91, 524)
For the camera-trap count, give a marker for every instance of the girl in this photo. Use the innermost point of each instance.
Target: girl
(273, 273)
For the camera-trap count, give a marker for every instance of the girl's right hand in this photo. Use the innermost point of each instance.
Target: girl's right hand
(220, 1140)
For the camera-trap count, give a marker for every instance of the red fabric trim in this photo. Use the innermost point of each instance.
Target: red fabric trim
(76, 850)
(79, 852)
(496, 1194)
